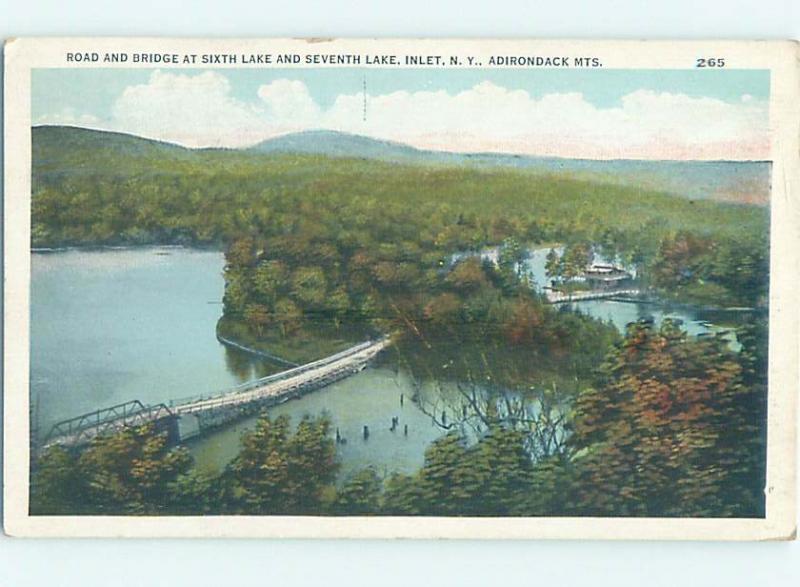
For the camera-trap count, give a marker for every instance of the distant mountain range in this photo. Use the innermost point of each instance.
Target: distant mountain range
(339, 144)
(733, 181)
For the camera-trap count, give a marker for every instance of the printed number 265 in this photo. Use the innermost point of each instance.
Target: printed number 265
(710, 62)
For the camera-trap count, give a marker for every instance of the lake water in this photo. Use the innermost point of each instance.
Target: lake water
(115, 325)
(110, 326)
(694, 321)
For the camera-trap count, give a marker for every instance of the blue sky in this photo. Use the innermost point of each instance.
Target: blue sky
(266, 102)
(95, 89)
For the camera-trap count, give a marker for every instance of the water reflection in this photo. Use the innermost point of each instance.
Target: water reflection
(115, 325)
(247, 367)
(372, 399)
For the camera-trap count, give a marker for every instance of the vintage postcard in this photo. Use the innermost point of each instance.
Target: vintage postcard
(401, 288)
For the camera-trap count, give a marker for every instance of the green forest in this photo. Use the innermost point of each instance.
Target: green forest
(673, 427)
(564, 414)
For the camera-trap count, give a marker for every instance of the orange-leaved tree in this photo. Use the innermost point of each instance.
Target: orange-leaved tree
(673, 429)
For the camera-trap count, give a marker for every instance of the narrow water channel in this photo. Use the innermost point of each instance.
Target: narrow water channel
(110, 326)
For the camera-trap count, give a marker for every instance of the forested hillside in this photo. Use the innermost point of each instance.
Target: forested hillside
(549, 411)
(93, 188)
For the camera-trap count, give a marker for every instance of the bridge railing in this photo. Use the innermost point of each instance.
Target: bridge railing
(91, 419)
(87, 426)
(101, 420)
(558, 297)
(275, 377)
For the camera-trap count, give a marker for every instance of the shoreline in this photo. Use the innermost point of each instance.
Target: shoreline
(660, 298)
(105, 248)
(240, 347)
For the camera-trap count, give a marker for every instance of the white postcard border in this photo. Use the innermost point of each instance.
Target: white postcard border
(781, 58)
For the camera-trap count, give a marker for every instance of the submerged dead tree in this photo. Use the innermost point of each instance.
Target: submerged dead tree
(474, 409)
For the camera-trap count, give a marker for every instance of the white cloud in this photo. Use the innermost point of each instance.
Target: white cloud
(197, 111)
(289, 101)
(200, 110)
(488, 117)
(69, 117)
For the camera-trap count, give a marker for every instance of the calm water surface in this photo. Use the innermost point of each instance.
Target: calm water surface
(110, 326)
(115, 325)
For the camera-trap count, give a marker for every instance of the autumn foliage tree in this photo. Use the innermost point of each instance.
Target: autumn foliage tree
(489, 477)
(132, 472)
(281, 471)
(712, 270)
(360, 494)
(672, 430)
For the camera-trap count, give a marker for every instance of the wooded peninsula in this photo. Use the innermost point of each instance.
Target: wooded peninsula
(549, 411)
